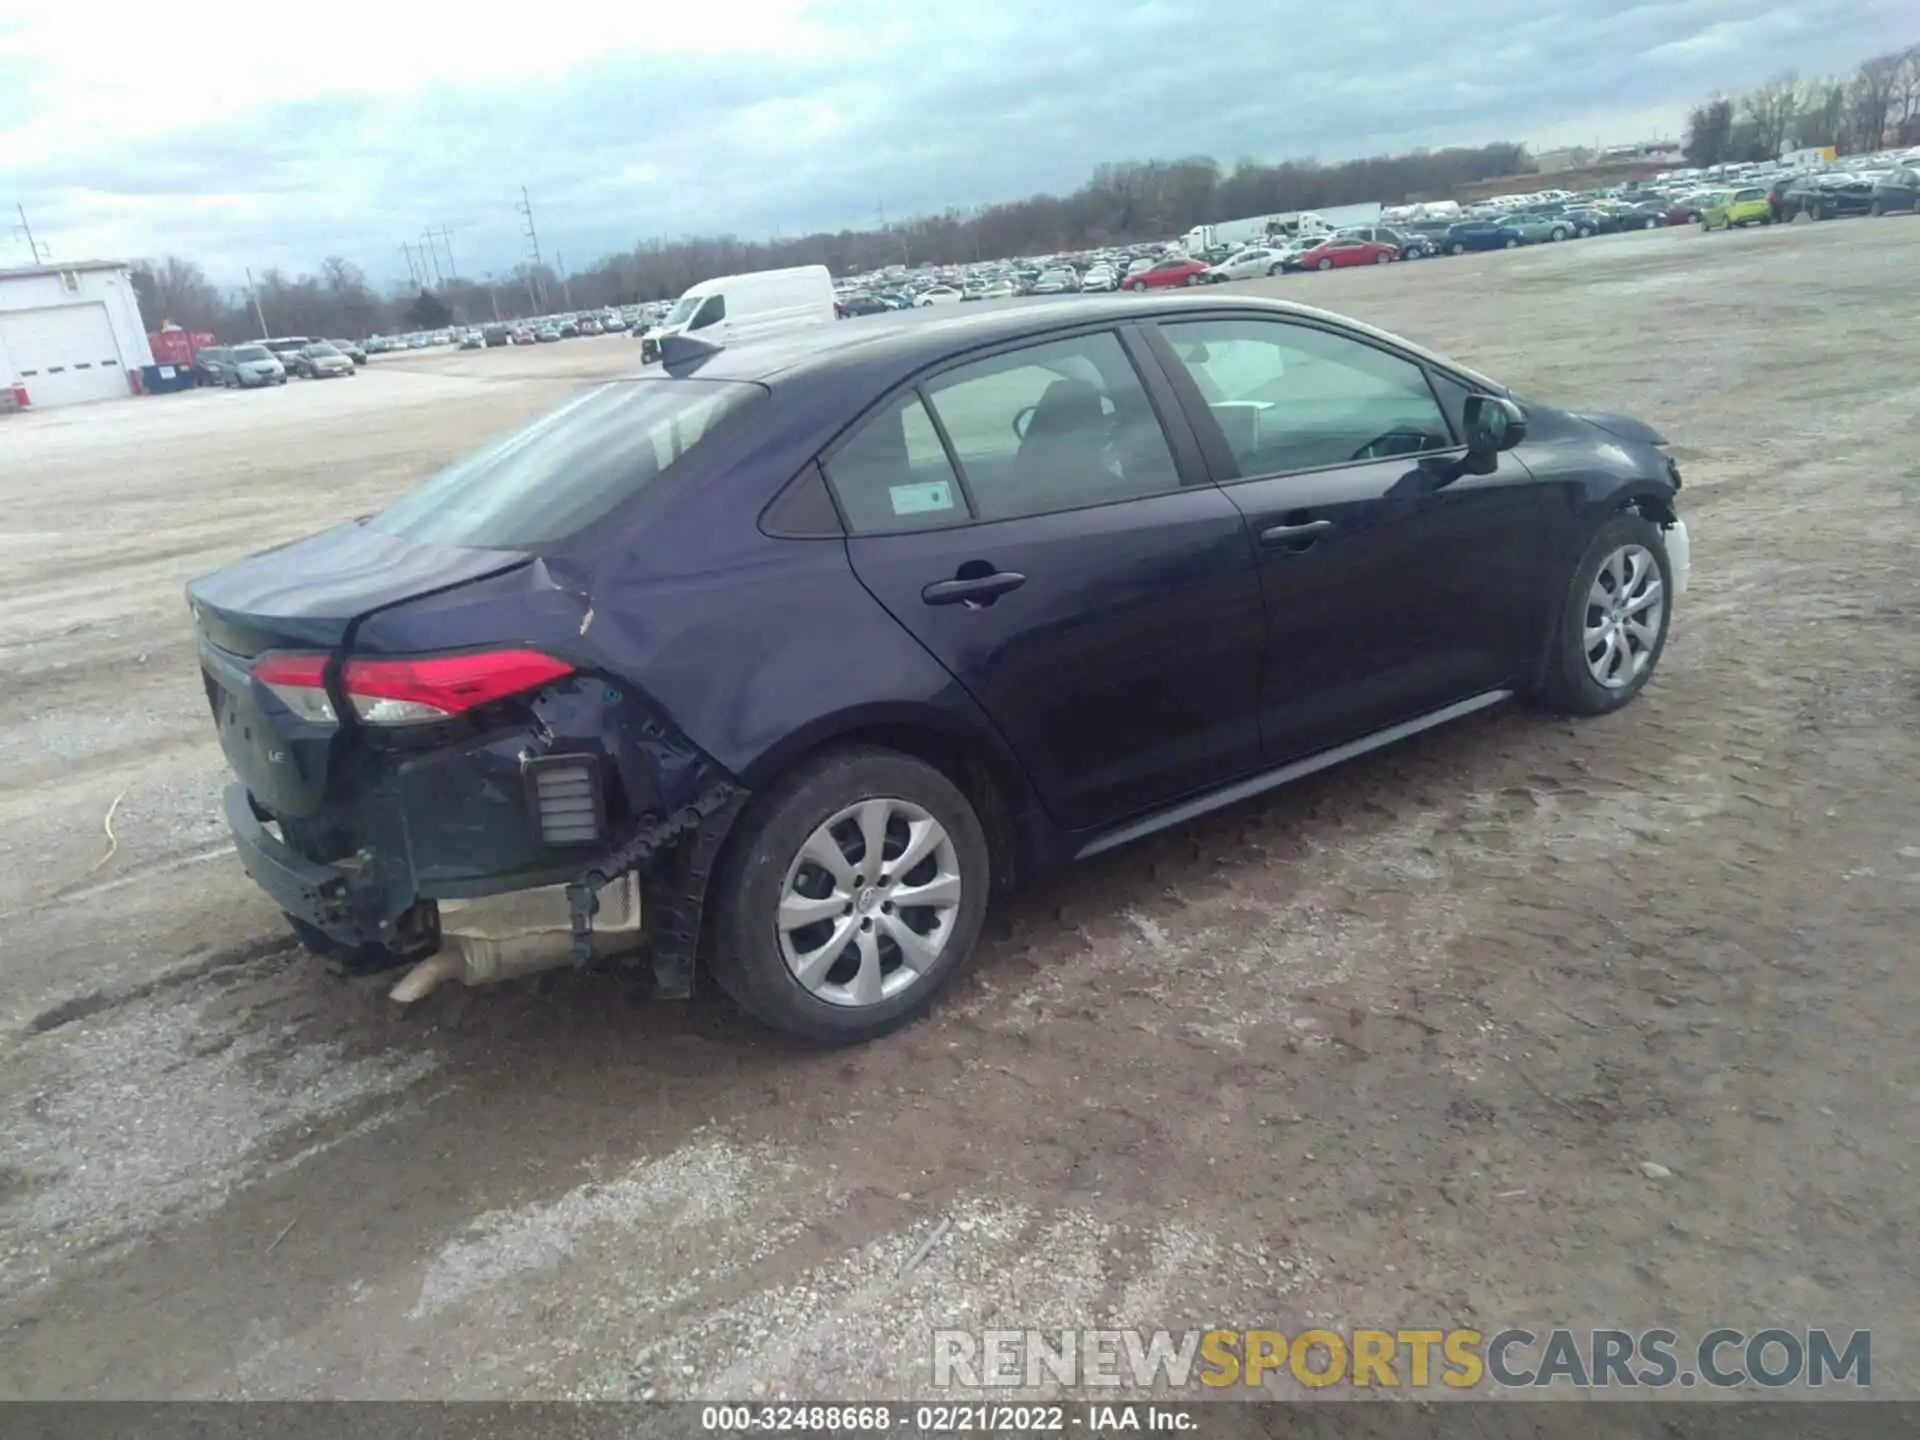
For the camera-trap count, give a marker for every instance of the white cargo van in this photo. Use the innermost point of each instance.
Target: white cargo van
(732, 309)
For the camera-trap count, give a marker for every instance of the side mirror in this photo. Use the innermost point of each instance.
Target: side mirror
(1494, 423)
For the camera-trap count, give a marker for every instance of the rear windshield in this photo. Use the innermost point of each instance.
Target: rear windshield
(559, 474)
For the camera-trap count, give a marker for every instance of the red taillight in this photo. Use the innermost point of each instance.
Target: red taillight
(408, 692)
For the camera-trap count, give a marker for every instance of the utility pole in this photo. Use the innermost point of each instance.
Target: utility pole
(430, 256)
(253, 292)
(525, 207)
(438, 240)
(493, 295)
(415, 275)
(39, 252)
(566, 287)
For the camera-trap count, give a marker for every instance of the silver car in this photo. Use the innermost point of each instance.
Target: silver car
(321, 360)
(255, 365)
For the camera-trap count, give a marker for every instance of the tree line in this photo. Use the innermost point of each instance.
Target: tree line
(1120, 203)
(1877, 106)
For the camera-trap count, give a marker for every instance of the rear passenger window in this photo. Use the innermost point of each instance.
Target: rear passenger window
(894, 474)
(1053, 427)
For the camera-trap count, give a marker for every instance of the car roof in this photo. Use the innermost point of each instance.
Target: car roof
(903, 341)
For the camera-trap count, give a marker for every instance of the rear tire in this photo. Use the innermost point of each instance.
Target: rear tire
(1511, 245)
(1324, 265)
(1569, 683)
(764, 865)
(1458, 248)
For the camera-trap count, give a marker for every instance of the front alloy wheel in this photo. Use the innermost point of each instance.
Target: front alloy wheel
(1613, 621)
(1624, 611)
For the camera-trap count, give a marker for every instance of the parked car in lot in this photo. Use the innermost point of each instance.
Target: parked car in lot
(1098, 280)
(1407, 244)
(938, 295)
(1539, 229)
(1734, 209)
(1342, 251)
(1246, 265)
(320, 361)
(356, 353)
(252, 366)
(1173, 270)
(595, 649)
(1897, 190)
(1481, 235)
(848, 306)
(1828, 197)
(212, 365)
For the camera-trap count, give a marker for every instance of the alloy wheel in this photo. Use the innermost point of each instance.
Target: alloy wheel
(1623, 614)
(869, 902)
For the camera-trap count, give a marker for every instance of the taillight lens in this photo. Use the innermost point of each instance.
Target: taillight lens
(407, 692)
(299, 682)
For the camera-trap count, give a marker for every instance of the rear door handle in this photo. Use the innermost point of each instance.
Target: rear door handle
(1288, 534)
(976, 590)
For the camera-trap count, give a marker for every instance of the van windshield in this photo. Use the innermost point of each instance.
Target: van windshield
(568, 469)
(683, 310)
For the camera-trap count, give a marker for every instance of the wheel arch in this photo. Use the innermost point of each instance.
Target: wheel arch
(971, 755)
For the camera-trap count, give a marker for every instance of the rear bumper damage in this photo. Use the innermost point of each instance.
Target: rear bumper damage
(594, 788)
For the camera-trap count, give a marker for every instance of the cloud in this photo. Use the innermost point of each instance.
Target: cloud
(355, 135)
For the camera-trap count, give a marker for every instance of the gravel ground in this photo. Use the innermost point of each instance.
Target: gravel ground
(1388, 1048)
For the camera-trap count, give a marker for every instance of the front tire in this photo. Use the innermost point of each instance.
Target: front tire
(1612, 625)
(1511, 245)
(1139, 287)
(812, 937)
(1458, 248)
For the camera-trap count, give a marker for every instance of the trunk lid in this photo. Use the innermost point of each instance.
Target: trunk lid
(307, 596)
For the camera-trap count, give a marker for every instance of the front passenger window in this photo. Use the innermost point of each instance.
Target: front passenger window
(1291, 397)
(713, 310)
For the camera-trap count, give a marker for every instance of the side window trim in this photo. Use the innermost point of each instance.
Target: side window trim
(946, 447)
(1221, 464)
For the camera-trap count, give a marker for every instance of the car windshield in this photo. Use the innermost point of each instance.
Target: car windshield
(253, 352)
(562, 472)
(321, 350)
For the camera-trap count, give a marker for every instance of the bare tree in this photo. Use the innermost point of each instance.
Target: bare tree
(1767, 114)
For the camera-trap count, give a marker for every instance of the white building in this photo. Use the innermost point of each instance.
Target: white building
(70, 333)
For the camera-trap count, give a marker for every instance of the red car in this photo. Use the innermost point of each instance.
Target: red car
(1176, 270)
(1347, 251)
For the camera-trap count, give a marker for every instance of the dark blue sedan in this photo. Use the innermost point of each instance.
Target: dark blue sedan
(804, 649)
(1482, 235)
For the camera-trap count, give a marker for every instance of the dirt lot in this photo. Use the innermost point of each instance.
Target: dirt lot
(1387, 1048)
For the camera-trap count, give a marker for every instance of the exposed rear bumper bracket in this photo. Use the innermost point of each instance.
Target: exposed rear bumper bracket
(675, 941)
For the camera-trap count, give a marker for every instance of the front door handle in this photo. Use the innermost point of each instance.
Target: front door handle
(972, 590)
(1293, 534)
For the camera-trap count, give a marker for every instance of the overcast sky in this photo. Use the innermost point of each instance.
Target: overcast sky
(275, 134)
